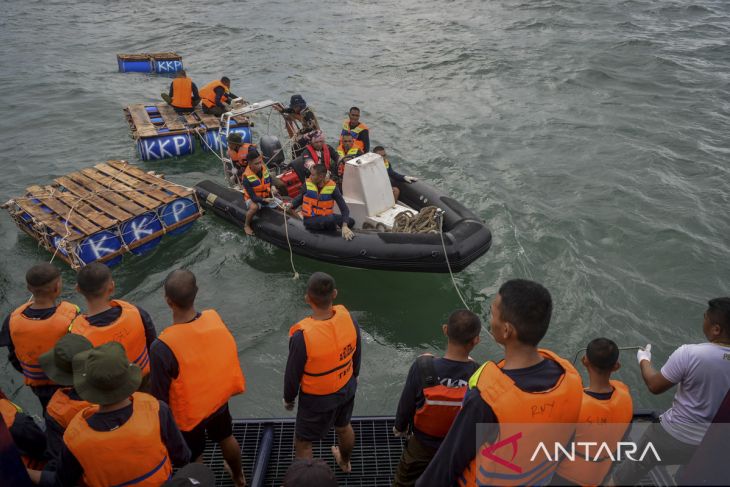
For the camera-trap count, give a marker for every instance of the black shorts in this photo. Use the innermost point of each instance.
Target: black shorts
(218, 426)
(313, 426)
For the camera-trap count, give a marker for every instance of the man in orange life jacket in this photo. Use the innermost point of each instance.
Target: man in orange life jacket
(317, 199)
(346, 151)
(531, 390)
(216, 95)
(322, 368)
(109, 320)
(66, 402)
(605, 415)
(183, 95)
(357, 129)
(33, 328)
(126, 438)
(395, 177)
(316, 152)
(26, 434)
(195, 369)
(433, 394)
(237, 152)
(257, 188)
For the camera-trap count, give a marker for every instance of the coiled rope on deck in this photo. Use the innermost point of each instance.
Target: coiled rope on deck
(422, 222)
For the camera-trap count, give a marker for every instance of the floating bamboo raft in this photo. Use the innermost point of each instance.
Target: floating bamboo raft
(102, 212)
(162, 133)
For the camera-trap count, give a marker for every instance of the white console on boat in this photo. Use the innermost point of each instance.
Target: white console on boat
(368, 194)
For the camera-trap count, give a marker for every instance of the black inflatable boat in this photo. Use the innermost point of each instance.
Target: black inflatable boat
(465, 236)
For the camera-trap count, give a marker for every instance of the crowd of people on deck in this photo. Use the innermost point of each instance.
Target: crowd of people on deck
(320, 191)
(108, 383)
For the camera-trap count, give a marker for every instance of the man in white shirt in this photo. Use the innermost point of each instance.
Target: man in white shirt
(702, 373)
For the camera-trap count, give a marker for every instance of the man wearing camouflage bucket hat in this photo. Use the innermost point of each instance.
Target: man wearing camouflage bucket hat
(125, 437)
(66, 403)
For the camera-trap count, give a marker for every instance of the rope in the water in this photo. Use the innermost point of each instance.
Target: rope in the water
(291, 252)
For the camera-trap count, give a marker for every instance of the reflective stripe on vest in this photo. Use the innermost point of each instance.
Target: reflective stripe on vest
(210, 372)
(354, 132)
(261, 186)
(318, 202)
(9, 410)
(553, 412)
(386, 162)
(63, 409)
(128, 330)
(32, 338)
(207, 93)
(330, 347)
(353, 151)
(605, 421)
(182, 93)
(325, 155)
(132, 454)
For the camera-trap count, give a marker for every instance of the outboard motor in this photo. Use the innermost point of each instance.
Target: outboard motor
(271, 150)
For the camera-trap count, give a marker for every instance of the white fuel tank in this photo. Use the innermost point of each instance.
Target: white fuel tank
(366, 188)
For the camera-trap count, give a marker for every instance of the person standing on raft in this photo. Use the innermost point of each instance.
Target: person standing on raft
(322, 368)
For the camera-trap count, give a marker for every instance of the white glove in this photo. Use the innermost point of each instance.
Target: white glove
(410, 179)
(347, 234)
(399, 434)
(644, 354)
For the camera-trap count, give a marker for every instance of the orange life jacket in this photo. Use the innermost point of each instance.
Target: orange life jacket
(330, 347)
(525, 419)
(354, 132)
(261, 185)
(9, 410)
(207, 93)
(62, 408)
(128, 330)
(318, 202)
(346, 156)
(600, 421)
(182, 93)
(209, 370)
(132, 454)
(32, 338)
(441, 403)
(325, 155)
(239, 157)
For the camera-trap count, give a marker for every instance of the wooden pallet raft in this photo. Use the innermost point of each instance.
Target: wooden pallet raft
(161, 133)
(103, 212)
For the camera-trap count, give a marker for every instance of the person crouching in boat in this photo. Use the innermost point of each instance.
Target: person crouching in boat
(346, 150)
(318, 202)
(316, 152)
(237, 153)
(256, 182)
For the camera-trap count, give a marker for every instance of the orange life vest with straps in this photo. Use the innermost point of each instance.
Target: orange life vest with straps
(207, 93)
(62, 408)
(325, 155)
(525, 419)
(261, 185)
(128, 330)
(354, 132)
(330, 347)
(441, 403)
(346, 156)
(182, 93)
(600, 421)
(318, 202)
(238, 158)
(138, 441)
(209, 370)
(32, 338)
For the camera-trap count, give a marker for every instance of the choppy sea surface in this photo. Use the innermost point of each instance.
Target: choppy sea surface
(592, 136)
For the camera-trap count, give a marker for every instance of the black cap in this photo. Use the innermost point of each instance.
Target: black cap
(297, 100)
(253, 153)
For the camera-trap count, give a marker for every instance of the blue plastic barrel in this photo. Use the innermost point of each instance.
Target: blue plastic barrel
(167, 66)
(135, 66)
(214, 138)
(139, 228)
(98, 246)
(177, 211)
(165, 147)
